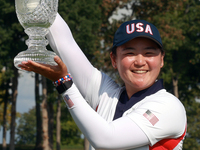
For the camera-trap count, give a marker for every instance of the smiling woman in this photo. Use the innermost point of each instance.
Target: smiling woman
(138, 62)
(138, 116)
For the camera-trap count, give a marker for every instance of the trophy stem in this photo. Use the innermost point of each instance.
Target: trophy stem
(36, 48)
(37, 39)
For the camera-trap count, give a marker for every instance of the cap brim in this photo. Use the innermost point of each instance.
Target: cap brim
(121, 43)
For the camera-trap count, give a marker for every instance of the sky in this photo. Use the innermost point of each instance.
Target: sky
(26, 97)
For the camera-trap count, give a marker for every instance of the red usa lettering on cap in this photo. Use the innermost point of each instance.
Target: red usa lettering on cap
(139, 28)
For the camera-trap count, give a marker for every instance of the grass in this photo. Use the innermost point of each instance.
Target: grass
(71, 148)
(30, 147)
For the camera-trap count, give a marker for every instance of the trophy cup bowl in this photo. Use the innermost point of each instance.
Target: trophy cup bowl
(36, 16)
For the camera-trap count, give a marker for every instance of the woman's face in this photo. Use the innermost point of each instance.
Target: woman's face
(138, 62)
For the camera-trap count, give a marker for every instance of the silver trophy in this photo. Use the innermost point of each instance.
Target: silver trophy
(36, 16)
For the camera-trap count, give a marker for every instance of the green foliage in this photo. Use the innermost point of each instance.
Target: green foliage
(31, 147)
(70, 134)
(192, 139)
(84, 19)
(10, 33)
(8, 117)
(26, 130)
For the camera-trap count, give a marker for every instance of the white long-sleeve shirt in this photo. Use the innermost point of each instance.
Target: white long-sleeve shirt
(156, 120)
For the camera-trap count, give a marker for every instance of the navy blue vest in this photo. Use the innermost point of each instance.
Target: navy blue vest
(124, 103)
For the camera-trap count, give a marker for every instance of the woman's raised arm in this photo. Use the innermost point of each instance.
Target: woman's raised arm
(62, 42)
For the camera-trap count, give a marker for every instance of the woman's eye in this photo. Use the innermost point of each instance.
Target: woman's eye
(130, 53)
(149, 53)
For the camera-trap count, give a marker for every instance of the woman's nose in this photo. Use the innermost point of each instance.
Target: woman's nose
(139, 60)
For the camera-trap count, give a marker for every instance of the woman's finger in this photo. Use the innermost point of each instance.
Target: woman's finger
(59, 61)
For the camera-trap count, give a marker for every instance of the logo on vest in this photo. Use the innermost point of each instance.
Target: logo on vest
(139, 27)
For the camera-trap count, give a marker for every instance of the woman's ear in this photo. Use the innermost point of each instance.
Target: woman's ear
(113, 60)
(162, 60)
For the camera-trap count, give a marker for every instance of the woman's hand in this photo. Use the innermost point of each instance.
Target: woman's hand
(51, 72)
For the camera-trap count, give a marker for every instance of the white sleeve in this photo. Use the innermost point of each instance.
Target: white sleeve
(63, 43)
(122, 133)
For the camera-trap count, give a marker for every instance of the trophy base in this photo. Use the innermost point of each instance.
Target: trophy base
(39, 56)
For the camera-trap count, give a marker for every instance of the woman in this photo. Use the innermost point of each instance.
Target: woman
(141, 115)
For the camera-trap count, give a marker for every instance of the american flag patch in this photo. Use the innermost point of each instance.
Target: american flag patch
(68, 101)
(151, 117)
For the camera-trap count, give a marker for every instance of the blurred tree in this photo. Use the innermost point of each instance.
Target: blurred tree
(38, 144)
(13, 108)
(10, 44)
(109, 26)
(45, 119)
(52, 98)
(70, 134)
(190, 79)
(26, 129)
(84, 19)
(8, 116)
(58, 124)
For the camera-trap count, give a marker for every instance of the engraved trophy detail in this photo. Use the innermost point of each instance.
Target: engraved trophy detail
(36, 16)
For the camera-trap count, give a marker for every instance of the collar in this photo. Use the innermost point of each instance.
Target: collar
(125, 103)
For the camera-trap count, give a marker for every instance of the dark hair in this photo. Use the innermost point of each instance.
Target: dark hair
(161, 49)
(113, 50)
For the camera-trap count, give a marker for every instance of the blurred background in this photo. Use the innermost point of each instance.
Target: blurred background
(31, 118)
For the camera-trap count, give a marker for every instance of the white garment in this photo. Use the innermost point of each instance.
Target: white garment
(128, 132)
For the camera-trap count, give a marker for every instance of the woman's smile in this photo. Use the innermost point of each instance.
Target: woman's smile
(139, 71)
